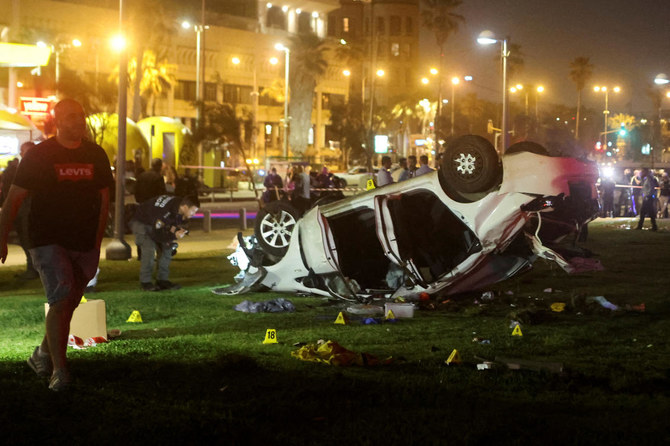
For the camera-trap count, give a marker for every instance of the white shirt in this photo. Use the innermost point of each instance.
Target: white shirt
(384, 177)
(424, 168)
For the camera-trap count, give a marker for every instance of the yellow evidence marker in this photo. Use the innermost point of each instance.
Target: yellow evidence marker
(454, 358)
(135, 317)
(341, 319)
(83, 300)
(390, 316)
(517, 331)
(270, 336)
(370, 184)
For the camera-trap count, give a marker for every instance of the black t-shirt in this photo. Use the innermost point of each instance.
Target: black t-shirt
(149, 184)
(65, 188)
(163, 210)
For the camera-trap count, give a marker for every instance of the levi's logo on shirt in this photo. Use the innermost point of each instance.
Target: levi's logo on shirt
(74, 172)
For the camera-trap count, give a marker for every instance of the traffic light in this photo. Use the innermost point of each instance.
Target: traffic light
(622, 131)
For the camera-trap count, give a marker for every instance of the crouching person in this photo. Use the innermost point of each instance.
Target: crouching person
(157, 223)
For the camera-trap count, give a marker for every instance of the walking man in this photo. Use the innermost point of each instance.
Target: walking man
(68, 179)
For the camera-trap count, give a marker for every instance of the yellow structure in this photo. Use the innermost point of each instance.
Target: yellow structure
(167, 137)
(105, 129)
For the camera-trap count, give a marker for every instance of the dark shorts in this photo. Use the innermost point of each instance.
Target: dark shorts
(63, 271)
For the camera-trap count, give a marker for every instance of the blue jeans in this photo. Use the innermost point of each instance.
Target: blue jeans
(64, 272)
(149, 247)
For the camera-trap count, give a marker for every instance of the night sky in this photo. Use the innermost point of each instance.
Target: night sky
(628, 43)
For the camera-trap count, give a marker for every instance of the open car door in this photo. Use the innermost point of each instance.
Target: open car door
(386, 233)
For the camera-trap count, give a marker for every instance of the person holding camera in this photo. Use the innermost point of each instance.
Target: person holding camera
(157, 223)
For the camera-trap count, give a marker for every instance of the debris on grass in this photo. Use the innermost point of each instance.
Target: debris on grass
(279, 305)
(366, 309)
(603, 302)
(332, 353)
(518, 364)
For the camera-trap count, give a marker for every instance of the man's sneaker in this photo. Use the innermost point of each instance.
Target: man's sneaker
(167, 285)
(60, 380)
(148, 286)
(41, 364)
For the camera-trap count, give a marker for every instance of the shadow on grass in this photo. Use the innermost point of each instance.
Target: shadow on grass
(233, 399)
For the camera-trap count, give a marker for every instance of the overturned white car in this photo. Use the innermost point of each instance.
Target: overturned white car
(476, 221)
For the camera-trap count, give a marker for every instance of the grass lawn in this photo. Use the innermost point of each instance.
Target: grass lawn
(197, 372)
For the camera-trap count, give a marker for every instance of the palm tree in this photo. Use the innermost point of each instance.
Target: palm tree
(156, 79)
(151, 32)
(439, 17)
(580, 73)
(515, 61)
(308, 63)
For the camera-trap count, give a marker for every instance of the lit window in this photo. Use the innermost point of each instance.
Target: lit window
(345, 24)
(395, 49)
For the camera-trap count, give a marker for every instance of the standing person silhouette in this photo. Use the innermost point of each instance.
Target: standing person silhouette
(68, 179)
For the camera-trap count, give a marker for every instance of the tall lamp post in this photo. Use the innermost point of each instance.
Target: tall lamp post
(287, 58)
(118, 249)
(199, 74)
(661, 79)
(606, 112)
(488, 38)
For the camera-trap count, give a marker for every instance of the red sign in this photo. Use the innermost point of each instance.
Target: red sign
(35, 106)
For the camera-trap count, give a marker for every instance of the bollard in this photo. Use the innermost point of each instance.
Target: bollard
(243, 219)
(207, 220)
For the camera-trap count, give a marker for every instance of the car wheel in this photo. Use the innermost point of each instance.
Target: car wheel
(527, 146)
(274, 226)
(470, 164)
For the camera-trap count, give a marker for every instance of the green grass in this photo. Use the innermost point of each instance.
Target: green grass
(196, 371)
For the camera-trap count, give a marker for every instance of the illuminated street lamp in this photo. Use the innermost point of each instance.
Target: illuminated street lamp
(287, 59)
(606, 112)
(661, 79)
(539, 89)
(488, 38)
(118, 249)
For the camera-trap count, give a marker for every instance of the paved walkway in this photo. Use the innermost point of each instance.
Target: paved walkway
(197, 241)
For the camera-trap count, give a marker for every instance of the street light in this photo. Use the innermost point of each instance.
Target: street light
(488, 38)
(199, 76)
(539, 89)
(606, 112)
(287, 59)
(661, 79)
(118, 249)
(57, 50)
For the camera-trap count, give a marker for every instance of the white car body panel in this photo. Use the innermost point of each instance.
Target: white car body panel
(495, 220)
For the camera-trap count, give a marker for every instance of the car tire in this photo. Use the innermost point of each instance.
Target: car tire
(274, 226)
(470, 164)
(527, 146)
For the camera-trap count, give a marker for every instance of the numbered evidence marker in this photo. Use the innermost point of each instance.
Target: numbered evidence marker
(390, 316)
(517, 331)
(270, 336)
(454, 358)
(135, 317)
(370, 184)
(341, 319)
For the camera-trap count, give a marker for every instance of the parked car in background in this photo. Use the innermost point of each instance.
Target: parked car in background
(357, 176)
(478, 220)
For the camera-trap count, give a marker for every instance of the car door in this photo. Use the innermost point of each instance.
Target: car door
(386, 233)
